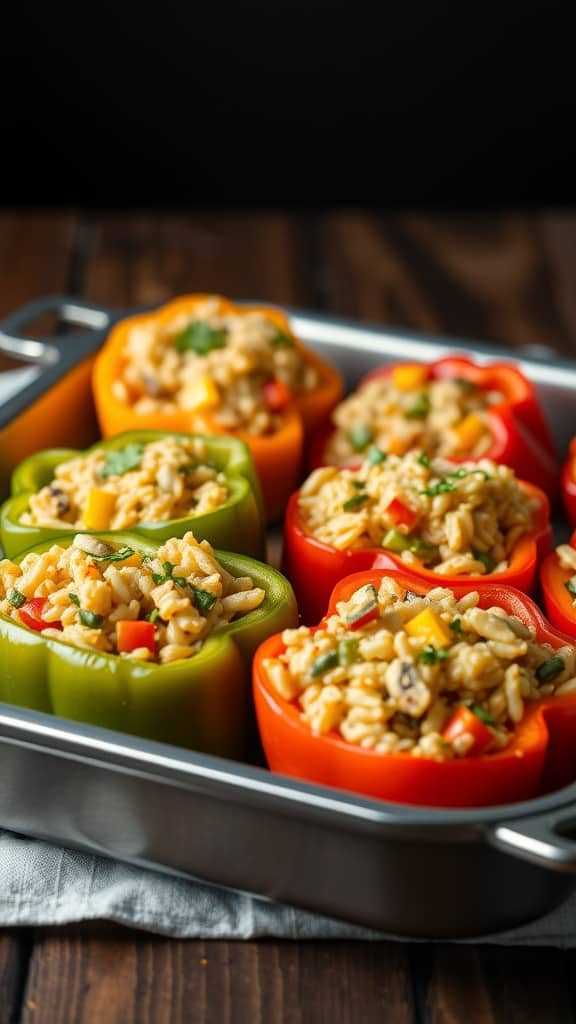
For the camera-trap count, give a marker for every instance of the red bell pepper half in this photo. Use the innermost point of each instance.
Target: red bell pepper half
(558, 600)
(314, 568)
(521, 437)
(568, 483)
(540, 756)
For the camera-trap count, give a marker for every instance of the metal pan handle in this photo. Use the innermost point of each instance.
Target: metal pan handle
(70, 312)
(548, 839)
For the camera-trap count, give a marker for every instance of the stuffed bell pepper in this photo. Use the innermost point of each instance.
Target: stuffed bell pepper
(558, 585)
(202, 364)
(150, 639)
(441, 696)
(569, 483)
(159, 485)
(439, 520)
(451, 408)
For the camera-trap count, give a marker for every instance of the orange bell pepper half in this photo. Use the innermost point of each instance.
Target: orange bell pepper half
(278, 457)
(315, 567)
(521, 437)
(540, 756)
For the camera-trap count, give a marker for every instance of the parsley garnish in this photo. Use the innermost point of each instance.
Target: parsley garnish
(15, 598)
(456, 626)
(74, 599)
(120, 460)
(203, 599)
(360, 437)
(120, 555)
(420, 409)
(442, 487)
(281, 340)
(355, 502)
(431, 655)
(199, 338)
(486, 559)
(549, 669)
(91, 619)
(424, 460)
(154, 615)
(482, 714)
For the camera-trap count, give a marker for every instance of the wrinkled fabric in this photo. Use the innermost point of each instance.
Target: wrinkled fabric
(41, 884)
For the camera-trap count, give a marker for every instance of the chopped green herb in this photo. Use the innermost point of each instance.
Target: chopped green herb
(431, 655)
(420, 409)
(360, 437)
(459, 474)
(442, 487)
(424, 460)
(74, 599)
(180, 581)
(162, 577)
(91, 619)
(482, 473)
(571, 586)
(120, 460)
(426, 552)
(324, 662)
(358, 484)
(355, 502)
(549, 669)
(199, 338)
(115, 556)
(464, 383)
(486, 559)
(15, 598)
(348, 651)
(154, 615)
(281, 340)
(456, 626)
(482, 714)
(375, 456)
(203, 599)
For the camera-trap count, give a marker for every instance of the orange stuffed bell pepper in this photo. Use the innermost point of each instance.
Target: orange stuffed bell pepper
(442, 522)
(569, 483)
(451, 407)
(558, 584)
(202, 364)
(425, 701)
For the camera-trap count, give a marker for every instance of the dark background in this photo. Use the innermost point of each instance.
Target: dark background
(180, 103)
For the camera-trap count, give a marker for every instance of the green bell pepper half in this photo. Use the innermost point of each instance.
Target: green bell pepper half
(238, 524)
(200, 703)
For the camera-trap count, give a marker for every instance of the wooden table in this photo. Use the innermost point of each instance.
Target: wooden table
(506, 278)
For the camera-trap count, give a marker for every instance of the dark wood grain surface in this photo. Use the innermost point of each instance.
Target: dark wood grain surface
(506, 278)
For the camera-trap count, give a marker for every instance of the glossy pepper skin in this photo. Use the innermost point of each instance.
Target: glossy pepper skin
(201, 703)
(557, 599)
(520, 434)
(314, 568)
(568, 483)
(236, 525)
(277, 457)
(540, 756)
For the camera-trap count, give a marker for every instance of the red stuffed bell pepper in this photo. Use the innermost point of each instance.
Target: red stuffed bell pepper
(569, 483)
(558, 583)
(516, 431)
(358, 533)
(495, 760)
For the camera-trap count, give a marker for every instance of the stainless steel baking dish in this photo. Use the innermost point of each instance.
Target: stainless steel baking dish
(401, 870)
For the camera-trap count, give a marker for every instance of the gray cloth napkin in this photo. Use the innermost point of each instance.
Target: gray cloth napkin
(41, 884)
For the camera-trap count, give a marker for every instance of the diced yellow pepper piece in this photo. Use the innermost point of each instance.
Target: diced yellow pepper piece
(99, 509)
(410, 376)
(202, 393)
(469, 430)
(431, 627)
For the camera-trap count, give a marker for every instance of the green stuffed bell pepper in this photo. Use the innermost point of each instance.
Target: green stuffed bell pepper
(152, 640)
(155, 483)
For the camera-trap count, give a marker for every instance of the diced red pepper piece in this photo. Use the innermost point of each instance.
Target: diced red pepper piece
(465, 721)
(130, 635)
(276, 395)
(400, 514)
(31, 615)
